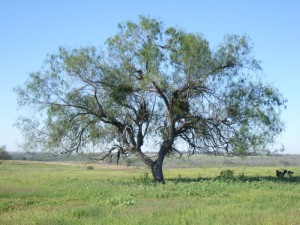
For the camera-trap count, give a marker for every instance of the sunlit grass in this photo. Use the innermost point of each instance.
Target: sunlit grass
(37, 193)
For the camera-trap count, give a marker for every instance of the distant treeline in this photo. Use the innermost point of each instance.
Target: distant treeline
(198, 160)
(49, 157)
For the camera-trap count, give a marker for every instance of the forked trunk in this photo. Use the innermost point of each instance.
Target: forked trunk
(157, 173)
(156, 166)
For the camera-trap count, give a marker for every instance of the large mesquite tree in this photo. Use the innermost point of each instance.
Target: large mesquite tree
(155, 85)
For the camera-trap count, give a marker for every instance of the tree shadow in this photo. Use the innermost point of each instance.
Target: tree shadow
(294, 179)
(188, 179)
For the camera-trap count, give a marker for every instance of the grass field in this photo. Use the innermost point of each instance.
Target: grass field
(69, 193)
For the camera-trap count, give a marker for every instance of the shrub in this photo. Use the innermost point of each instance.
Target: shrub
(90, 167)
(226, 175)
(129, 161)
(3, 154)
(284, 173)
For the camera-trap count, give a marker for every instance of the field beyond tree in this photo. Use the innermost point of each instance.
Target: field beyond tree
(85, 193)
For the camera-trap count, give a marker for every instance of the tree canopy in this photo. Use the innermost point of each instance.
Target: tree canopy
(152, 84)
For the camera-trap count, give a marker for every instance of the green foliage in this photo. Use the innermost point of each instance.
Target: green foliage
(129, 202)
(121, 92)
(4, 154)
(226, 175)
(90, 167)
(152, 84)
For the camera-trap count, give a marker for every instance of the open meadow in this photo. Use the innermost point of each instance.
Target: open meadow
(70, 193)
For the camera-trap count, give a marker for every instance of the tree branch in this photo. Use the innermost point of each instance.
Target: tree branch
(162, 95)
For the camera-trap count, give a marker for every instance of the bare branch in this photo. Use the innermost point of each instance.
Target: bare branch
(162, 95)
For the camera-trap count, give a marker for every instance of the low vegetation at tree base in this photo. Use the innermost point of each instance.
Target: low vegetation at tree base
(40, 193)
(152, 84)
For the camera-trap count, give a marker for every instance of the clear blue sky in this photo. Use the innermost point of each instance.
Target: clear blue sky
(29, 30)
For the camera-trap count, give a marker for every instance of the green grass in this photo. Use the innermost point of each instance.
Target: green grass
(38, 193)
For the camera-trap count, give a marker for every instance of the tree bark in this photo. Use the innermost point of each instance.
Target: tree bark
(157, 172)
(156, 166)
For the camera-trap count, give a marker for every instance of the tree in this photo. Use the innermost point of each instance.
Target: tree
(3, 154)
(152, 84)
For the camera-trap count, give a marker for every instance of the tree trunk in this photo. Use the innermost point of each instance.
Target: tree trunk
(156, 166)
(157, 172)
